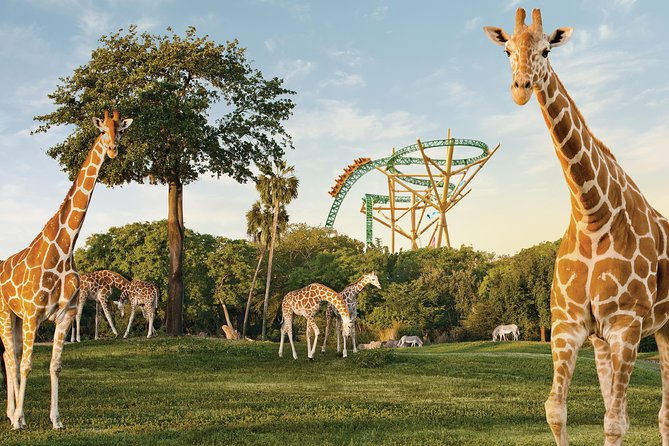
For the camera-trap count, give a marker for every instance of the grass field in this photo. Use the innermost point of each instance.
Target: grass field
(197, 391)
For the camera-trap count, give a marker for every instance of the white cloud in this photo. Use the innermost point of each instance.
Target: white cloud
(472, 23)
(625, 4)
(379, 12)
(342, 79)
(93, 22)
(270, 45)
(350, 57)
(297, 68)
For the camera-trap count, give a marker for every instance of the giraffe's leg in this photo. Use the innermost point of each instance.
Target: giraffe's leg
(289, 330)
(97, 317)
(283, 335)
(7, 321)
(338, 332)
(105, 310)
(149, 313)
(328, 317)
(604, 367)
(29, 327)
(624, 343)
(344, 352)
(662, 338)
(132, 316)
(355, 348)
(308, 343)
(54, 368)
(80, 310)
(311, 322)
(566, 340)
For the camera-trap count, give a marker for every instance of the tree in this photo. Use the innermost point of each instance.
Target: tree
(259, 226)
(168, 84)
(277, 188)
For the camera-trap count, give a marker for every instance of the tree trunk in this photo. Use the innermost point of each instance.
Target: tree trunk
(175, 235)
(269, 267)
(253, 284)
(543, 334)
(229, 330)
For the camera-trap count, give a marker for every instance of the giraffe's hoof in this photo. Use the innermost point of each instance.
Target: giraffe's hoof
(57, 425)
(311, 359)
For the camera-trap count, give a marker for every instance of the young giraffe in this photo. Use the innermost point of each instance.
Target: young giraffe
(145, 295)
(306, 302)
(40, 282)
(611, 279)
(97, 286)
(349, 294)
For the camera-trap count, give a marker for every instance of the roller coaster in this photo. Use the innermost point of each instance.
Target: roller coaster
(419, 195)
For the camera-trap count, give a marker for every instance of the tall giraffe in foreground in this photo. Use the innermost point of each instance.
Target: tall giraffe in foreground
(306, 302)
(349, 294)
(97, 286)
(611, 280)
(40, 282)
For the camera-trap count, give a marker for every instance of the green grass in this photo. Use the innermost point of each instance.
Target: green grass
(196, 391)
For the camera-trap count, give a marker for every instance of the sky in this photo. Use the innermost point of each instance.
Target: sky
(368, 76)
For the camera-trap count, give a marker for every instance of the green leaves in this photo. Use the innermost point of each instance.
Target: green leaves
(168, 84)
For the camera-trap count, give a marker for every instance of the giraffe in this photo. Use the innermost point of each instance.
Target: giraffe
(349, 294)
(145, 295)
(40, 282)
(97, 286)
(611, 280)
(306, 302)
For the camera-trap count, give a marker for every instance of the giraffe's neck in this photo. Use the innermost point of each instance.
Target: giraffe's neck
(593, 176)
(353, 289)
(339, 303)
(118, 281)
(72, 211)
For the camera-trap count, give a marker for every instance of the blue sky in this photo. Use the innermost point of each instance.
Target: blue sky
(369, 76)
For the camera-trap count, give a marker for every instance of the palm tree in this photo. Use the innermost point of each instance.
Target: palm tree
(259, 226)
(277, 188)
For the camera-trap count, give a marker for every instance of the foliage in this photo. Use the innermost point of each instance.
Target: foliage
(443, 294)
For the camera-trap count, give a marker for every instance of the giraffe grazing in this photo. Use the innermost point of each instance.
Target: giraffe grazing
(40, 282)
(349, 294)
(97, 286)
(611, 280)
(145, 295)
(306, 302)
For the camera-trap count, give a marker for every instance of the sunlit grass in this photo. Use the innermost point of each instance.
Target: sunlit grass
(209, 391)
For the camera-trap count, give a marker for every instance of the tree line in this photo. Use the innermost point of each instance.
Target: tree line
(442, 293)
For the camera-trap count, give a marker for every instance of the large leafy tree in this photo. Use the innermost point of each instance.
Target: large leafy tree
(168, 84)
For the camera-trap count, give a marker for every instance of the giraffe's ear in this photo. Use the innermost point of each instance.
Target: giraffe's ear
(125, 124)
(560, 36)
(97, 122)
(497, 35)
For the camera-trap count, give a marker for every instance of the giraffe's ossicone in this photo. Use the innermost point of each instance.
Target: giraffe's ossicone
(40, 282)
(611, 280)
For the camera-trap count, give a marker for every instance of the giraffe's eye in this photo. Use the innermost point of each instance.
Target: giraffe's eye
(508, 53)
(545, 53)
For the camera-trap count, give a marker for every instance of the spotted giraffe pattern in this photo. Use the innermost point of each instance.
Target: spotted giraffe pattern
(306, 302)
(97, 286)
(349, 294)
(611, 280)
(40, 282)
(144, 295)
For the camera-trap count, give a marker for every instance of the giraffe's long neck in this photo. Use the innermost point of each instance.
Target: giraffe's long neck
(72, 211)
(339, 303)
(353, 289)
(118, 281)
(594, 178)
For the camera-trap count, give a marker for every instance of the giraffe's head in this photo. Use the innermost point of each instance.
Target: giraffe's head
(373, 279)
(121, 307)
(111, 129)
(528, 50)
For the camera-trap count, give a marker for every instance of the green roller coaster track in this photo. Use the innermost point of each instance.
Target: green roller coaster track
(399, 159)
